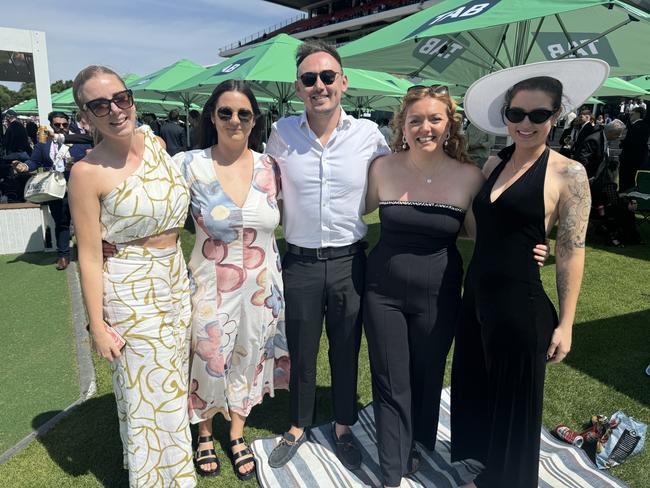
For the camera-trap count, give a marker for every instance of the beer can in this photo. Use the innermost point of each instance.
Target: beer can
(41, 134)
(568, 435)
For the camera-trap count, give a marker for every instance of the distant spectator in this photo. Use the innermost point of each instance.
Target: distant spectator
(634, 147)
(16, 140)
(59, 157)
(195, 120)
(173, 134)
(479, 144)
(32, 131)
(386, 131)
(152, 121)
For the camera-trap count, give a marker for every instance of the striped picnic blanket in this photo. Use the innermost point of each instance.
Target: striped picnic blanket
(316, 465)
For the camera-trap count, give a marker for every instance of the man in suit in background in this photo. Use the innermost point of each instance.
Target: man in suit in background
(634, 147)
(15, 140)
(581, 131)
(44, 156)
(173, 134)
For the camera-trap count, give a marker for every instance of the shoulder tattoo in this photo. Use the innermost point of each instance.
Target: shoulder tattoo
(575, 204)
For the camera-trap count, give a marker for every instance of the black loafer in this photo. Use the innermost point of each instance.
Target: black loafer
(346, 450)
(286, 448)
(415, 459)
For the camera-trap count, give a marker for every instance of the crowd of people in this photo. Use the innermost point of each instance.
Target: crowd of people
(240, 322)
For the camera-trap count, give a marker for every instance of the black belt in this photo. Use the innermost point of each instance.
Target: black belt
(324, 253)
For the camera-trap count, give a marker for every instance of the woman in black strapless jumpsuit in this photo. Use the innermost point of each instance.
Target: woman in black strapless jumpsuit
(505, 328)
(413, 283)
(414, 273)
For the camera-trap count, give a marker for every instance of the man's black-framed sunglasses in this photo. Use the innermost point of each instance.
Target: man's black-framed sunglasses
(537, 116)
(434, 89)
(226, 113)
(101, 107)
(326, 76)
(60, 125)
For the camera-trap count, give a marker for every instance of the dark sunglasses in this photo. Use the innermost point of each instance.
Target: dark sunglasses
(226, 113)
(326, 76)
(433, 89)
(537, 116)
(101, 107)
(60, 125)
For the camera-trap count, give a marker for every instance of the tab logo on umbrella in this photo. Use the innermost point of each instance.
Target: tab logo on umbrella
(555, 45)
(233, 66)
(469, 10)
(444, 51)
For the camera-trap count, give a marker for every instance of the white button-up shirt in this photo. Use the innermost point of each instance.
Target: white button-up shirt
(324, 187)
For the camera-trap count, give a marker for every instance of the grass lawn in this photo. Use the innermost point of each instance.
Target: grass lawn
(603, 373)
(39, 368)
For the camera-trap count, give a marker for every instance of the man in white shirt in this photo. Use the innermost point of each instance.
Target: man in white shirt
(323, 155)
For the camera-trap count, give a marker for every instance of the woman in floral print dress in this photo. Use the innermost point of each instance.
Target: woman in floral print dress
(239, 349)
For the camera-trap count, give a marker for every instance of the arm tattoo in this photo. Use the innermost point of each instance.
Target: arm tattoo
(574, 211)
(562, 283)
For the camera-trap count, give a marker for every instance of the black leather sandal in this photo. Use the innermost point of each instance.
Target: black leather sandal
(238, 462)
(206, 456)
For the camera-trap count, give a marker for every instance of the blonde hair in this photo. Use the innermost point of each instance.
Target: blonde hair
(86, 74)
(455, 146)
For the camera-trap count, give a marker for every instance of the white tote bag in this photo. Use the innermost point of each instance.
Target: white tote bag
(48, 185)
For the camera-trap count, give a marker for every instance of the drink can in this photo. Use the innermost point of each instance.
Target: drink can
(568, 435)
(41, 134)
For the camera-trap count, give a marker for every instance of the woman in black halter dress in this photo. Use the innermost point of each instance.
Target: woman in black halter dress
(414, 273)
(508, 328)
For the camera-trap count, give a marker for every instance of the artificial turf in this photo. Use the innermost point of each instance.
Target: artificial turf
(39, 368)
(603, 373)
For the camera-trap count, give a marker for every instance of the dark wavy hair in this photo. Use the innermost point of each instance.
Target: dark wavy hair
(456, 146)
(207, 130)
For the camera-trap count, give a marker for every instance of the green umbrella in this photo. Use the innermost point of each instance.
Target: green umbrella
(64, 102)
(270, 67)
(158, 85)
(461, 40)
(617, 87)
(26, 107)
(594, 101)
(642, 82)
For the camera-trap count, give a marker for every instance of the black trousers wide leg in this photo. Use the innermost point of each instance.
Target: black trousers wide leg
(408, 353)
(315, 290)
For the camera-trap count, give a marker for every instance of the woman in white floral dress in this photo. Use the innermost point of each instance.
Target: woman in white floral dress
(239, 349)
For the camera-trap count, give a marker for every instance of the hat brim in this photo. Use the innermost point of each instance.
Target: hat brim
(580, 78)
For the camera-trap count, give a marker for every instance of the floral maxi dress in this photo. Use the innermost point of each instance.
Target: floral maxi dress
(239, 349)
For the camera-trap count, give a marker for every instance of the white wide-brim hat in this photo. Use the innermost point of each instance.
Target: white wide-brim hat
(580, 78)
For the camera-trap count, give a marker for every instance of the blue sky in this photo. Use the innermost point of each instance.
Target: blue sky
(138, 36)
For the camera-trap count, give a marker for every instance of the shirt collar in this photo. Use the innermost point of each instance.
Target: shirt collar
(345, 120)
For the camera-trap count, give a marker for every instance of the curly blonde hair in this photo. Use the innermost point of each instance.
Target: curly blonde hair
(455, 147)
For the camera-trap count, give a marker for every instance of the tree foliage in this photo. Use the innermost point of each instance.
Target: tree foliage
(27, 91)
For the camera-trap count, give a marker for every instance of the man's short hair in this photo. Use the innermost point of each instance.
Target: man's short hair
(11, 113)
(195, 114)
(57, 114)
(640, 111)
(312, 47)
(173, 114)
(614, 125)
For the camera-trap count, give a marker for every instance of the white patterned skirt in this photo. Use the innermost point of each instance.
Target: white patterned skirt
(146, 299)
